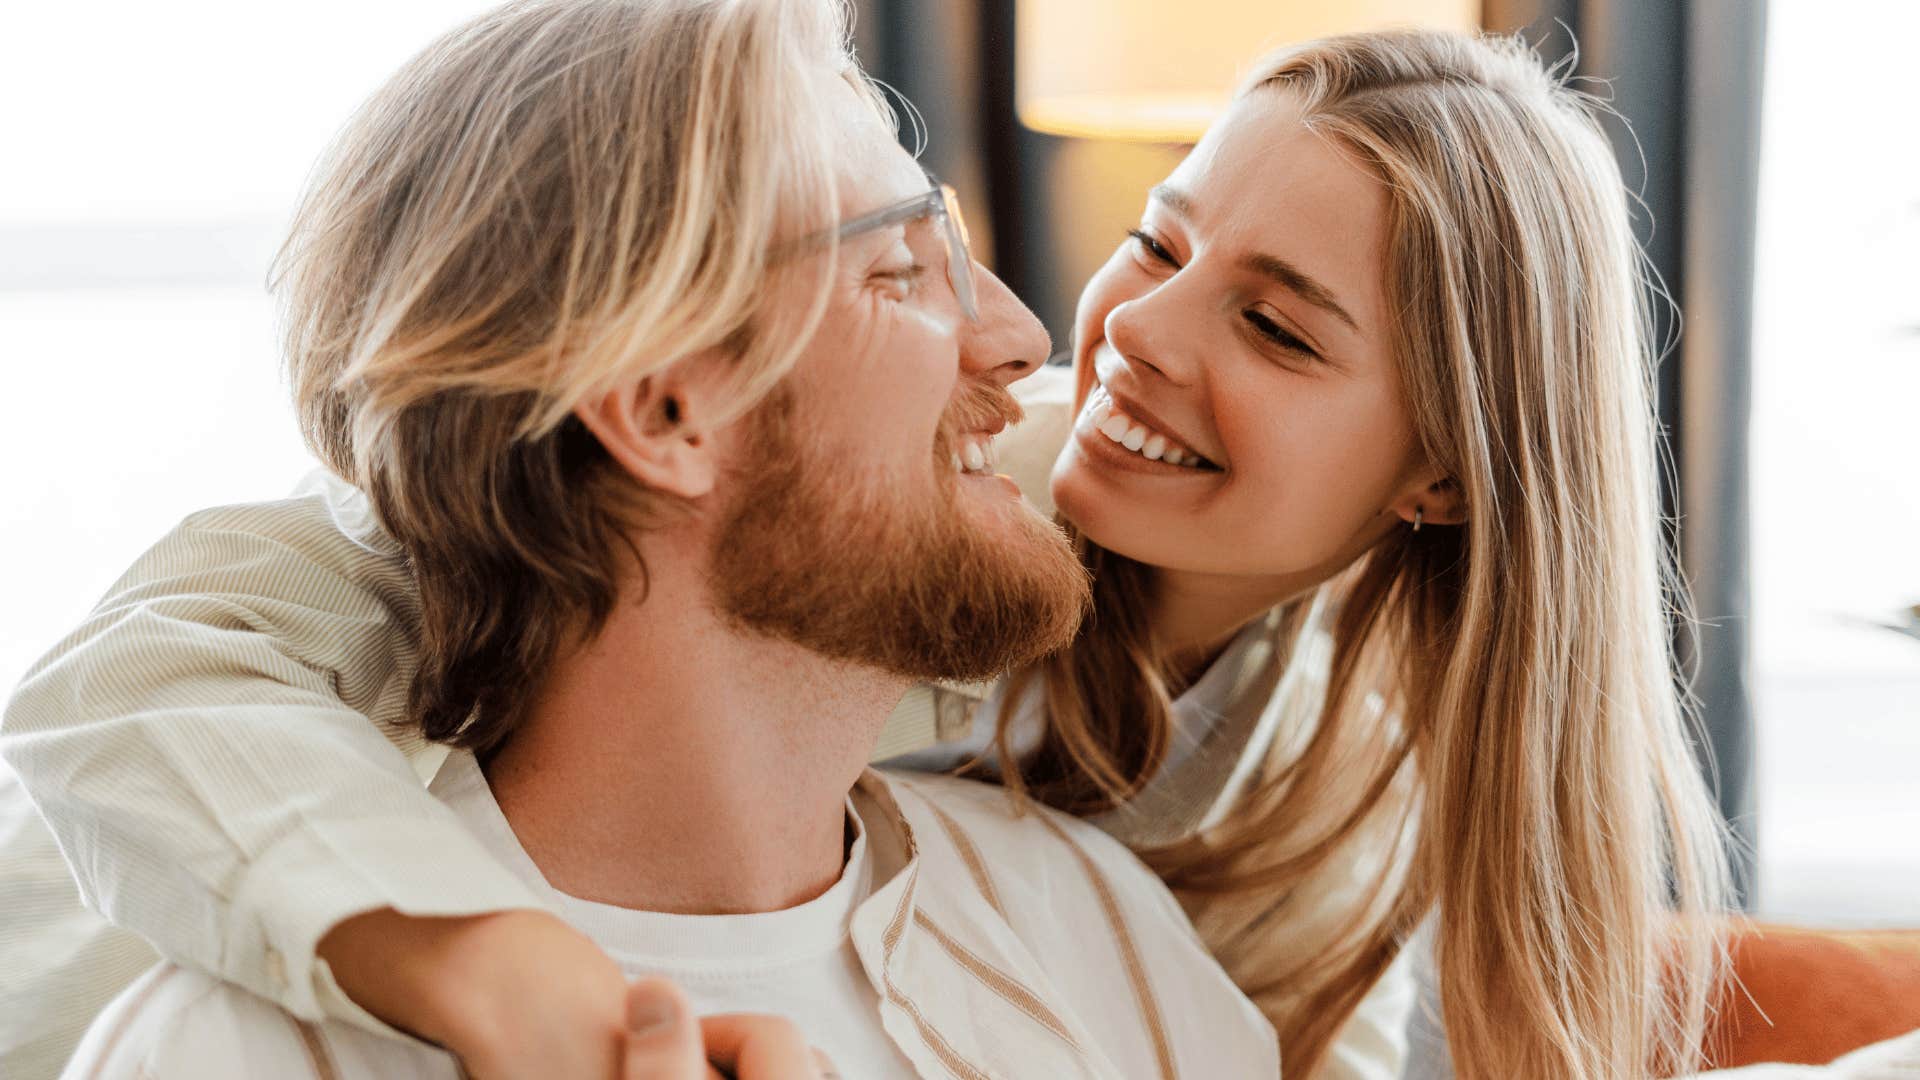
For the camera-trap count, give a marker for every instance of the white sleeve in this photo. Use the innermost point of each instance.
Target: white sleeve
(203, 750)
(173, 1024)
(1374, 1043)
(44, 1008)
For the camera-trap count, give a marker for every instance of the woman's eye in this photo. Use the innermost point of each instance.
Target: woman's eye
(1154, 248)
(1274, 332)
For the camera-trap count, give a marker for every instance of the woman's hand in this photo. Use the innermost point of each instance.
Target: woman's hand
(666, 1042)
(514, 994)
(519, 995)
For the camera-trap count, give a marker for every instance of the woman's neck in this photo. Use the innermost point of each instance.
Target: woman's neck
(1196, 615)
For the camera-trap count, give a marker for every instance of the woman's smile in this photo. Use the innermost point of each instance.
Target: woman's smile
(1126, 428)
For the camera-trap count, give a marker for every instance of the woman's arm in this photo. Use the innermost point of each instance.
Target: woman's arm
(201, 746)
(202, 749)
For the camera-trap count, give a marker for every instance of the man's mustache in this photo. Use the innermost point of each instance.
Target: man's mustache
(978, 405)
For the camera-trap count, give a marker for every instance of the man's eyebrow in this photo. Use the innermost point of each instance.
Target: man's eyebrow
(1272, 267)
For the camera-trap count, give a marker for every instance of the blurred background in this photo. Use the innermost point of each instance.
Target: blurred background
(154, 153)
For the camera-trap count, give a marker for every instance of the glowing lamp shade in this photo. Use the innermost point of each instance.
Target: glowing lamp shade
(1161, 70)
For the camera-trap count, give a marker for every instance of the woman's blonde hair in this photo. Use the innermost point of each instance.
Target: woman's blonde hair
(1501, 716)
(555, 198)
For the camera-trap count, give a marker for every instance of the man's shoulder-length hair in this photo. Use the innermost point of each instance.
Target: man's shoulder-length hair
(552, 199)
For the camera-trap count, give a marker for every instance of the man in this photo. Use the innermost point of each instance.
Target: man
(678, 455)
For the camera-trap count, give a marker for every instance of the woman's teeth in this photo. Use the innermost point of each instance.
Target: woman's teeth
(1127, 432)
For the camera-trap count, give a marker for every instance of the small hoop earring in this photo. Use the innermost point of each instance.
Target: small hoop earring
(1419, 515)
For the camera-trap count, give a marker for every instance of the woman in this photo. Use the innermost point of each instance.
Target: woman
(1471, 355)
(1362, 436)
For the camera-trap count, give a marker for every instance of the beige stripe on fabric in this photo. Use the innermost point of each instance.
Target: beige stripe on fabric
(314, 1042)
(126, 1018)
(1129, 951)
(998, 981)
(942, 1049)
(970, 855)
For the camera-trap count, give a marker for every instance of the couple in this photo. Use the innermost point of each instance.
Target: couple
(669, 393)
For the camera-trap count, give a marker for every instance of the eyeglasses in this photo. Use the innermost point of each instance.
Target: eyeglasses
(943, 204)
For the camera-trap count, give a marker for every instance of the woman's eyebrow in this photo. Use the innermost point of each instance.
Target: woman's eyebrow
(1173, 198)
(1272, 267)
(1299, 282)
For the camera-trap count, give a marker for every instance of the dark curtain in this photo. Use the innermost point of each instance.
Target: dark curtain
(953, 59)
(1044, 211)
(1687, 78)
(1685, 74)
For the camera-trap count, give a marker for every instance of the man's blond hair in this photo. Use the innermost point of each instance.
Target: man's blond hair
(556, 198)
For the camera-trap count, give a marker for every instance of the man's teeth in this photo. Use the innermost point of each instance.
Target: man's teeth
(1138, 437)
(974, 456)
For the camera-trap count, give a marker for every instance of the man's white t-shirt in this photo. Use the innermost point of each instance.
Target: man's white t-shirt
(798, 963)
(965, 937)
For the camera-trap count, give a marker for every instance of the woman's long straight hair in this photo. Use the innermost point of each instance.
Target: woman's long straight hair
(1499, 740)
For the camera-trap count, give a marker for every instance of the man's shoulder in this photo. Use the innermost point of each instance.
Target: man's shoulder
(172, 1022)
(1025, 850)
(997, 812)
(1104, 940)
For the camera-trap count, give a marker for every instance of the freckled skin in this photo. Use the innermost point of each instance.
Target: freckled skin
(1318, 451)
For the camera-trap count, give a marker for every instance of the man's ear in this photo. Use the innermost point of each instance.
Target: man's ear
(656, 429)
(1435, 502)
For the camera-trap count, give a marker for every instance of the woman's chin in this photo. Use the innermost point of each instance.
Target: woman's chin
(1100, 517)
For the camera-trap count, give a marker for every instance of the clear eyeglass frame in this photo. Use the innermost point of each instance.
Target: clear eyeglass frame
(942, 203)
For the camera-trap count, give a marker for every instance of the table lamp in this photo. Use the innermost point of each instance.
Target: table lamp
(1161, 70)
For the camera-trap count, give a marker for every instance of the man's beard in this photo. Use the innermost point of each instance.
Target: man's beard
(903, 581)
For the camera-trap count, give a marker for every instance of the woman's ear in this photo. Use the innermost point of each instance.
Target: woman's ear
(655, 429)
(1436, 503)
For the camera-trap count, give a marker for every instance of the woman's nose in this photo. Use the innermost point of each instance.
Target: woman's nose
(1151, 332)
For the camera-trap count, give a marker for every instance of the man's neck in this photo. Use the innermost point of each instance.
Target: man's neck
(677, 765)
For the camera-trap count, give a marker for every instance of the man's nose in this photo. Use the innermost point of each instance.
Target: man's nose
(1006, 343)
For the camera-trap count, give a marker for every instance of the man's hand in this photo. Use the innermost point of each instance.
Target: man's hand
(666, 1042)
(515, 994)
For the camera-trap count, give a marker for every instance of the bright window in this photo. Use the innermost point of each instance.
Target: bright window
(1836, 465)
(154, 153)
